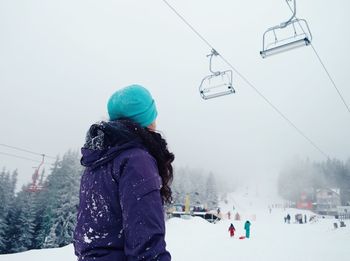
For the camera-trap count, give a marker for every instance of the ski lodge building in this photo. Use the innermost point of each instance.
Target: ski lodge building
(327, 201)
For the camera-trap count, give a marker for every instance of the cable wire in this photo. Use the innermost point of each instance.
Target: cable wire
(18, 157)
(330, 78)
(323, 65)
(25, 150)
(278, 111)
(188, 24)
(248, 82)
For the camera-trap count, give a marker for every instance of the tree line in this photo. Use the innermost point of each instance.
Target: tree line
(47, 218)
(303, 175)
(202, 188)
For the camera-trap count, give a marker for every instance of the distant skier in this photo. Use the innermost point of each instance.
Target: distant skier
(288, 219)
(299, 218)
(247, 229)
(232, 230)
(229, 215)
(237, 216)
(305, 219)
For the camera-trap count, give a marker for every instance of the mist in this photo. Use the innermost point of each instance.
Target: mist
(60, 62)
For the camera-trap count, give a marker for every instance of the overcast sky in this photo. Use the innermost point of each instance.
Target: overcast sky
(61, 60)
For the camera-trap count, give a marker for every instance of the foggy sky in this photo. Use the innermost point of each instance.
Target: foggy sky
(61, 60)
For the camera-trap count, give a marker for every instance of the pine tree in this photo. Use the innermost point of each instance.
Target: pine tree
(201, 188)
(21, 222)
(211, 192)
(42, 217)
(51, 240)
(63, 199)
(3, 211)
(178, 189)
(7, 196)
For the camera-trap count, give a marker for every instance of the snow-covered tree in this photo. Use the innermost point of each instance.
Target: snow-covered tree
(302, 175)
(195, 184)
(63, 198)
(7, 196)
(42, 218)
(21, 219)
(51, 239)
(212, 198)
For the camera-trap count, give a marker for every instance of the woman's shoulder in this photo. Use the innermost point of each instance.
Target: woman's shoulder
(136, 153)
(138, 158)
(139, 168)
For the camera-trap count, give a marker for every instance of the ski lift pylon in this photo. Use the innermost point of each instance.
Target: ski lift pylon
(218, 83)
(273, 43)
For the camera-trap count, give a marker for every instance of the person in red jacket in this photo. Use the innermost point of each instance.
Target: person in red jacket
(232, 230)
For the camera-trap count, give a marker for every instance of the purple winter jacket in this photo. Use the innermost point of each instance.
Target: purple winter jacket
(121, 214)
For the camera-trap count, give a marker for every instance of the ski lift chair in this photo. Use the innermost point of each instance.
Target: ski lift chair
(275, 42)
(219, 83)
(34, 187)
(216, 85)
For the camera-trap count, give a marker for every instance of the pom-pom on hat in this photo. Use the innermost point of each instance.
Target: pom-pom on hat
(134, 102)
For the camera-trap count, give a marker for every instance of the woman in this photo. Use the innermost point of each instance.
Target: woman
(125, 183)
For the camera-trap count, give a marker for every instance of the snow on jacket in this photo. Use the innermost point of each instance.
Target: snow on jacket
(120, 213)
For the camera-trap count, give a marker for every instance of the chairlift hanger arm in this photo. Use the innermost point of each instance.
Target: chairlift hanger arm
(213, 53)
(286, 23)
(42, 160)
(283, 25)
(36, 173)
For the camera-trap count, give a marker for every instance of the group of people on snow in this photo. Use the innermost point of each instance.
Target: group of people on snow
(287, 219)
(298, 219)
(232, 230)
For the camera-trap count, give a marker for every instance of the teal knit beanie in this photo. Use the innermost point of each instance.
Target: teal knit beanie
(134, 102)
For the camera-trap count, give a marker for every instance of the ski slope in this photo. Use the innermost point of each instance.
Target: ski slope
(271, 238)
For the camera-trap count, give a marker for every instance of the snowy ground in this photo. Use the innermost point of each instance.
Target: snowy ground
(271, 239)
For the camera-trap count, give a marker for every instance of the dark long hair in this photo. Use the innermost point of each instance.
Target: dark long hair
(158, 148)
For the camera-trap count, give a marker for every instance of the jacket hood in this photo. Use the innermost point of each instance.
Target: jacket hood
(105, 141)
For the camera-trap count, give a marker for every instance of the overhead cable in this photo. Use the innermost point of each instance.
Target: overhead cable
(25, 150)
(18, 157)
(323, 65)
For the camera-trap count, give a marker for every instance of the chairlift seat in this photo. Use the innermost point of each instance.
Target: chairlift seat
(35, 188)
(216, 85)
(285, 47)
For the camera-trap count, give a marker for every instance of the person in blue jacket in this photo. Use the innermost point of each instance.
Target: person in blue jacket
(126, 181)
(247, 229)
